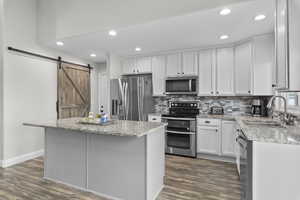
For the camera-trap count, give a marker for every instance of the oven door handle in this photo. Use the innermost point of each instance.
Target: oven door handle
(183, 119)
(179, 132)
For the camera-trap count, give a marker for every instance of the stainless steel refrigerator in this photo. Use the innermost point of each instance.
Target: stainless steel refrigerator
(131, 97)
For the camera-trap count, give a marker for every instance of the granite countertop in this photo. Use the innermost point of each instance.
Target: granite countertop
(261, 133)
(117, 128)
(269, 134)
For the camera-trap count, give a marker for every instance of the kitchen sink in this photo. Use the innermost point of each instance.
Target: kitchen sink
(263, 123)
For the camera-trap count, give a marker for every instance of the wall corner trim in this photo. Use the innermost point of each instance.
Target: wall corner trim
(20, 159)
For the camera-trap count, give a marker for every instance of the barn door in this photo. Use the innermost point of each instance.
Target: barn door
(73, 91)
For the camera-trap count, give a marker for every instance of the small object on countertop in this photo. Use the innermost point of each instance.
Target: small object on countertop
(104, 118)
(217, 110)
(91, 115)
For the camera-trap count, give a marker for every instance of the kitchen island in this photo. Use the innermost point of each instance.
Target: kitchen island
(123, 160)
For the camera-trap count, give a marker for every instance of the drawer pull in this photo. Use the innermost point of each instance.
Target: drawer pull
(154, 119)
(207, 122)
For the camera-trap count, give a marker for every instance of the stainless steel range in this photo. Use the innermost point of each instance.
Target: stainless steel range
(181, 129)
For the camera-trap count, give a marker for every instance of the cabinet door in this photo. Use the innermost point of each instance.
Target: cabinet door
(190, 63)
(243, 69)
(129, 66)
(228, 138)
(173, 65)
(282, 59)
(263, 64)
(158, 75)
(206, 75)
(143, 65)
(224, 70)
(208, 140)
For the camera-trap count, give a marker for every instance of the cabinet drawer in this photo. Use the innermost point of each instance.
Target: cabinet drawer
(208, 122)
(154, 118)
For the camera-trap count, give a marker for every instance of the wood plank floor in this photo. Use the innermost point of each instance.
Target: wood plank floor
(186, 179)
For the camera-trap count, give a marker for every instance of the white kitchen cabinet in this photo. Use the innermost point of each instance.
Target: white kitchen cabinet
(173, 65)
(263, 64)
(281, 29)
(143, 65)
(158, 75)
(129, 66)
(243, 69)
(206, 73)
(208, 140)
(294, 45)
(228, 138)
(225, 71)
(189, 63)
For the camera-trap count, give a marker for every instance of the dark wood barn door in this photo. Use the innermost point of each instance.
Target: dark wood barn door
(73, 91)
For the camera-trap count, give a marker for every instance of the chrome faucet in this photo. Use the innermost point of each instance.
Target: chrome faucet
(286, 118)
(271, 102)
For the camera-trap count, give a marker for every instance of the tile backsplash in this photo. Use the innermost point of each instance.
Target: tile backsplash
(231, 105)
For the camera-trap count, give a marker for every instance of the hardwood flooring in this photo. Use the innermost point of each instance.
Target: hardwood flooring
(186, 179)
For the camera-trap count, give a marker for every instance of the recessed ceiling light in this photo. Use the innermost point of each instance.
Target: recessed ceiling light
(112, 33)
(138, 49)
(224, 37)
(225, 11)
(259, 17)
(93, 55)
(59, 43)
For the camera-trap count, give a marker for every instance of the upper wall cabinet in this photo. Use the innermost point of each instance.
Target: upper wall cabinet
(174, 65)
(143, 65)
(189, 63)
(158, 75)
(287, 45)
(294, 45)
(137, 65)
(243, 69)
(263, 64)
(206, 73)
(225, 72)
(129, 66)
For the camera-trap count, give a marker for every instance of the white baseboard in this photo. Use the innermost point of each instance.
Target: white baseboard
(20, 159)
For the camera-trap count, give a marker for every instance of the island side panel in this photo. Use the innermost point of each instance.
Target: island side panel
(117, 166)
(155, 162)
(65, 157)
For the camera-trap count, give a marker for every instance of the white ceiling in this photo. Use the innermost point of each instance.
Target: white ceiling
(198, 29)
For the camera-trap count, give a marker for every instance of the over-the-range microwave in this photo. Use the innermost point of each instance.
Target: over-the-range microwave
(182, 85)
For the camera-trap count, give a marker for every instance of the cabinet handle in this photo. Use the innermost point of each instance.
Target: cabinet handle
(178, 73)
(212, 92)
(134, 70)
(154, 119)
(217, 92)
(274, 85)
(182, 72)
(137, 70)
(207, 122)
(249, 91)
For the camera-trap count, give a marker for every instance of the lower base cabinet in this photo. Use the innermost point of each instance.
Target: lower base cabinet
(228, 138)
(208, 140)
(216, 139)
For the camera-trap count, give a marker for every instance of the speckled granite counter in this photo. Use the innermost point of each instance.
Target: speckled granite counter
(117, 128)
(262, 133)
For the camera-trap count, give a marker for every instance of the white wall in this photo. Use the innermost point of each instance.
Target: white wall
(1, 78)
(30, 84)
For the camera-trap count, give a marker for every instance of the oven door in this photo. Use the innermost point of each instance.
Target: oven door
(181, 136)
(181, 86)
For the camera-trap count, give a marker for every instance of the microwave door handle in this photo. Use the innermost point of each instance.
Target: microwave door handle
(190, 85)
